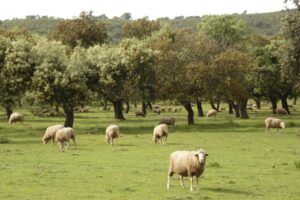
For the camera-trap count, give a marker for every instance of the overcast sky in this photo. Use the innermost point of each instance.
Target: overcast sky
(138, 8)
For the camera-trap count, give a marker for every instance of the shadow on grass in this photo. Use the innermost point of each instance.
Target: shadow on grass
(227, 190)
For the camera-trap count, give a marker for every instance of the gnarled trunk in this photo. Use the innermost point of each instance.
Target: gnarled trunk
(243, 109)
(118, 109)
(284, 103)
(257, 102)
(104, 104)
(199, 108)
(295, 101)
(274, 104)
(188, 106)
(69, 111)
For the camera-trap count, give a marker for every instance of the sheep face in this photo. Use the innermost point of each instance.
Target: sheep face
(155, 138)
(282, 125)
(45, 140)
(201, 155)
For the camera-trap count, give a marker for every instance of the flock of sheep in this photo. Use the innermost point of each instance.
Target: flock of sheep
(183, 163)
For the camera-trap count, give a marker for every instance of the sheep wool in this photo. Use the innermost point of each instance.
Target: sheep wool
(63, 136)
(15, 117)
(50, 133)
(187, 163)
(112, 132)
(274, 123)
(160, 132)
(212, 112)
(167, 121)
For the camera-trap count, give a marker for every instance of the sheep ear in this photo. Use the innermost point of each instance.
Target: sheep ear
(206, 154)
(196, 155)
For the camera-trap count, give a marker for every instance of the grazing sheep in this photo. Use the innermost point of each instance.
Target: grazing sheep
(50, 133)
(212, 112)
(175, 109)
(167, 120)
(163, 110)
(63, 136)
(111, 133)
(274, 123)
(139, 113)
(157, 110)
(160, 132)
(281, 111)
(187, 163)
(15, 117)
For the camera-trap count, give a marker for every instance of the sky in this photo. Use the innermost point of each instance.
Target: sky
(138, 8)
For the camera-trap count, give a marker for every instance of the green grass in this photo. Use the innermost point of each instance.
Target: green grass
(243, 162)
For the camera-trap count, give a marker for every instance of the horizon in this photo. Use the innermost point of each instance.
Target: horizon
(138, 9)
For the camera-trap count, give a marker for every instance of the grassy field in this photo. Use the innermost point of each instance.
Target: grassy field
(243, 162)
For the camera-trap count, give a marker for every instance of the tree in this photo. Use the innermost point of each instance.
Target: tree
(226, 30)
(140, 28)
(230, 72)
(59, 80)
(84, 30)
(112, 64)
(16, 72)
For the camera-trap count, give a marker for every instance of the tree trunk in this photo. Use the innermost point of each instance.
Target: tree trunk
(69, 111)
(135, 105)
(56, 108)
(295, 101)
(218, 105)
(212, 105)
(199, 108)
(284, 103)
(144, 107)
(149, 105)
(8, 111)
(274, 104)
(236, 108)
(127, 107)
(243, 109)
(104, 104)
(118, 109)
(188, 106)
(230, 109)
(257, 102)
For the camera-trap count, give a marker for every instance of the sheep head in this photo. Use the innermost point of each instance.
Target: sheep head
(282, 125)
(201, 155)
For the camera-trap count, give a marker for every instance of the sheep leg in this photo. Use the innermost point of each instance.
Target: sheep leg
(197, 179)
(170, 173)
(181, 181)
(191, 183)
(74, 144)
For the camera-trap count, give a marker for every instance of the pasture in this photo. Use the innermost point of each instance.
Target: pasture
(243, 162)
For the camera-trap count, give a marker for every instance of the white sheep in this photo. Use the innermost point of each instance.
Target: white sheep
(160, 132)
(63, 136)
(187, 163)
(15, 117)
(274, 123)
(212, 112)
(281, 111)
(157, 110)
(50, 133)
(111, 133)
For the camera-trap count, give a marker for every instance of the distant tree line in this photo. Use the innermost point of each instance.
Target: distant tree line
(221, 60)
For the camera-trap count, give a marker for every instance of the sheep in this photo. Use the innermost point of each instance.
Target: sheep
(187, 163)
(15, 117)
(175, 109)
(160, 132)
(274, 123)
(50, 133)
(111, 133)
(281, 111)
(210, 113)
(163, 110)
(63, 136)
(157, 110)
(139, 113)
(167, 121)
